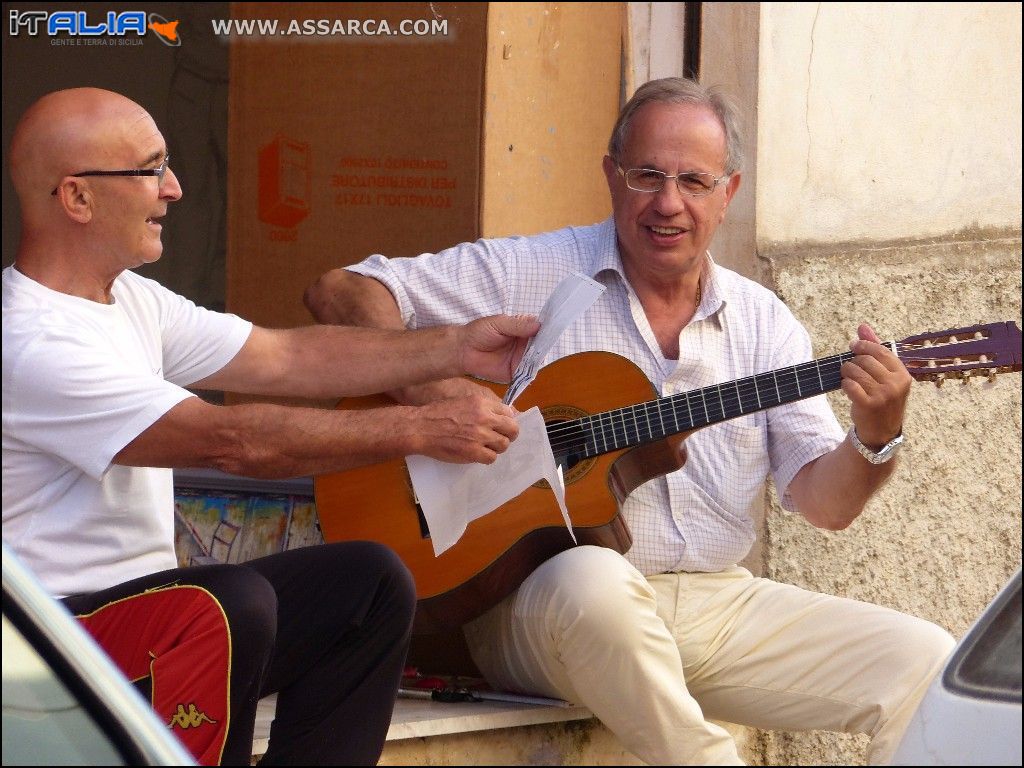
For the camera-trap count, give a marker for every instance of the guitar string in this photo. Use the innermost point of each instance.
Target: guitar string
(793, 372)
(732, 386)
(614, 425)
(638, 424)
(728, 390)
(564, 436)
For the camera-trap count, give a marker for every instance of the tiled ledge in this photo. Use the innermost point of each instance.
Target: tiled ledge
(416, 719)
(433, 718)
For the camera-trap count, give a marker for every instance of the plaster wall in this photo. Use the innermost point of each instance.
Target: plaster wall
(883, 121)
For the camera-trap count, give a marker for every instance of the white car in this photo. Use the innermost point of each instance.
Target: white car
(971, 714)
(65, 703)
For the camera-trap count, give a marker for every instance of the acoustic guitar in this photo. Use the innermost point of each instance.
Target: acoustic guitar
(609, 436)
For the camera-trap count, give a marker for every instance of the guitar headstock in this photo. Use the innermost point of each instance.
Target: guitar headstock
(960, 353)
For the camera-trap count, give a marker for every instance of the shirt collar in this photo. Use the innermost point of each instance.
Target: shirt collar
(606, 255)
(714, 295)
(607, 258)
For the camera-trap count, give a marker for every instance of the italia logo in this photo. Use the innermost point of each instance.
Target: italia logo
(79, 24)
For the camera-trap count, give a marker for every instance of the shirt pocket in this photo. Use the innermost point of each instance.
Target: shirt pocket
(729, 462)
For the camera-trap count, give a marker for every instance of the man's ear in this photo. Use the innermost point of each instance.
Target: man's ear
(610, 168)
(75, 199)
(731, 186)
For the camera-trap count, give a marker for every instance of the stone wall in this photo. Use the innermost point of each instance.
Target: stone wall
(944, 535)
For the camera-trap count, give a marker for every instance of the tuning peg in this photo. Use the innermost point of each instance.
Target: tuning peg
(965, 378)
(939, 379)
(991, 376)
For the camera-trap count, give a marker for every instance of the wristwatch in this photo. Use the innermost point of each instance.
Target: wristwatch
(880, 456)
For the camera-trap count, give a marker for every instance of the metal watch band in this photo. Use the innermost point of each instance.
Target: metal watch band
(884, 454)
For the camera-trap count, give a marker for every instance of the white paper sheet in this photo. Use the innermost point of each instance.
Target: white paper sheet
(570, 299)
(453, 495)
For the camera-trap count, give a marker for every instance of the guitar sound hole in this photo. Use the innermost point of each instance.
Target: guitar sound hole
(568, 462)
(424, 530)
(570, 443)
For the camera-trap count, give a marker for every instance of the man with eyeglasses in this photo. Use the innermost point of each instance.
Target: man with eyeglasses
(95, 413)
(659, 642)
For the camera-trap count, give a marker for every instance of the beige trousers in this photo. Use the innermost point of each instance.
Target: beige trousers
(653, 658)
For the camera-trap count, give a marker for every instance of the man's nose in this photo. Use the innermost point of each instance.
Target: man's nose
(669, 199)
(170, 188)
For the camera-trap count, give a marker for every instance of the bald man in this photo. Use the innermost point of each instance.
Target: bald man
(95, 414)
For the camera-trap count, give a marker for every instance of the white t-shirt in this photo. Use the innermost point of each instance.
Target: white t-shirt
(81, 380)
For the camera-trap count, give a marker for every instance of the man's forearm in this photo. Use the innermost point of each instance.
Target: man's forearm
(833, 490)
(322, 362)
(277, 442)
(273, 441)
(340, 297)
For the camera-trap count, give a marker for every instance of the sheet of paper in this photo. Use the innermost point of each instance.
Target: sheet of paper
(570, 299)
(453, 495)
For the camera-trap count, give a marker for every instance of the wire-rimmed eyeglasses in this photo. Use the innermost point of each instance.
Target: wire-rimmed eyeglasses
(691, 183)
(159, 172)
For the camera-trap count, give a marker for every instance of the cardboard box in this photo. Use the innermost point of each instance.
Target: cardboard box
(344, 145)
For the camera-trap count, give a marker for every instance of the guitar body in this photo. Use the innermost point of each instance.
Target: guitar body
(499, 550)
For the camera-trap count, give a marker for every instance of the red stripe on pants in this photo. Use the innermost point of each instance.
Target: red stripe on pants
(183, 643)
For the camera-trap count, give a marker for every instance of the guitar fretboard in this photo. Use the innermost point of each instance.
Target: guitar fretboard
(657, 419)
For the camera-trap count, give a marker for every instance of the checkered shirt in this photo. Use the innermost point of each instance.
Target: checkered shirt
(699, 518)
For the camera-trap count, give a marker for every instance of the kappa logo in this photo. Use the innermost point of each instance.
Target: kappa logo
(190, 718)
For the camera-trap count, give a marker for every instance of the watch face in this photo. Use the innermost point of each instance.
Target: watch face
(889, 449)
(883, 454)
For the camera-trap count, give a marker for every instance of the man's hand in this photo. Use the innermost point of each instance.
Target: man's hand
(465, 429)
(832, 490)
(492, 347)
(878, 385)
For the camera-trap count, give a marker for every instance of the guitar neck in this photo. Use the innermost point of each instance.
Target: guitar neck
(657, 419)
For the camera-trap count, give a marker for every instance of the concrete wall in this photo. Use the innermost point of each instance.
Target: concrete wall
(889, 191)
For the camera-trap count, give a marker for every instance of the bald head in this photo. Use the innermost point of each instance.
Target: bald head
(67, 131)
(81, 229)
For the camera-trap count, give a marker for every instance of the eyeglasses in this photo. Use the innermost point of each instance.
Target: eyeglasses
(650, 180)
(159, 172)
